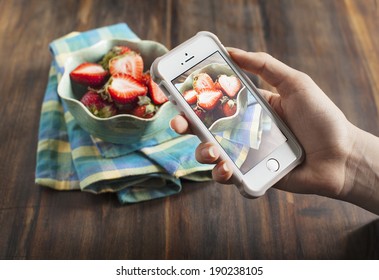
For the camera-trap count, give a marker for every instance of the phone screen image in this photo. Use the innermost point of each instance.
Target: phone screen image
(230, 111)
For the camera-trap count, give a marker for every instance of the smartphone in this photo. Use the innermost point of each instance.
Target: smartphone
(223, 106)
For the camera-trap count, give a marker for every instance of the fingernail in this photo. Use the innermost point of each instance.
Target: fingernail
(208, 152)
(225, 168)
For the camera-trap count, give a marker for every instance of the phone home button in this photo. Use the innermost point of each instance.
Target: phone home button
(272, 165)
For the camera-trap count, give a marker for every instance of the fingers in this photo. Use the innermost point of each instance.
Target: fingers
(208, 153)
(273, 71)
(222, 173)
(180, 125)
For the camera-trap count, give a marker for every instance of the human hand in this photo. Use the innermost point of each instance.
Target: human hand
(324, 132)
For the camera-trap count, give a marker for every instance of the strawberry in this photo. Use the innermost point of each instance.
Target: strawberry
(89, 74)
(130, 63)
(124, 88)
(229, 108)
(190, 96)
(202, 81)
(156, 93)
(115, 51)
(145, 109)
(229, 84)
(146, 78)
(97, 106)
(209, 98)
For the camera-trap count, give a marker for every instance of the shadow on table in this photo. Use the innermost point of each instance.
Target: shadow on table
(363, 243)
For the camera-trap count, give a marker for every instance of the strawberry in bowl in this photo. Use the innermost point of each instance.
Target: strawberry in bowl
(108, 90)
(119, 81)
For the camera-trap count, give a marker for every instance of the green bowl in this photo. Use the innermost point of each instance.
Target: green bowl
(123, 128)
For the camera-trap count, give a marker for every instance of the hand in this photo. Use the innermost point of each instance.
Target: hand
(323, 130)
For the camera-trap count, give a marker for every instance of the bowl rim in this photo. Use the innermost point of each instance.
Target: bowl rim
(71, 57)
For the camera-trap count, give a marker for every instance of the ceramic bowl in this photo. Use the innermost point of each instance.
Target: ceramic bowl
(122, 128)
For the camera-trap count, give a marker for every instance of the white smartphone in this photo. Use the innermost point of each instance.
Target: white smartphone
(224, 107)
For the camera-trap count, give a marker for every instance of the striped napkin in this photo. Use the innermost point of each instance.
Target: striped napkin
(68, 158)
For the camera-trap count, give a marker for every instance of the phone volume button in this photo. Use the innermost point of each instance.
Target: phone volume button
(162, 85)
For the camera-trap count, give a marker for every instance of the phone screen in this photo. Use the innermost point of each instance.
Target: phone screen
(230, 111)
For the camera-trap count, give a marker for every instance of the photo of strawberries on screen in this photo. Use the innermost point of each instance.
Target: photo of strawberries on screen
(213, 99)
(213, 91)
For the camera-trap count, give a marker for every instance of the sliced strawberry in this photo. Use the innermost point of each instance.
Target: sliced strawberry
(209, 98)
(124, 88)
(229, 108)
(130, 63)
(115, 51)
(190, 96)
(156, 93)
(144, 109)
(89, 74)
(98, 106)
(229, 84)
(202, 81)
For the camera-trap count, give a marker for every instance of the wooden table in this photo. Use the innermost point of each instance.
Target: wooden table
(335, 42)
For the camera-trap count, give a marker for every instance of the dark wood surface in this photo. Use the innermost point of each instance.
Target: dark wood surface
(335, 42)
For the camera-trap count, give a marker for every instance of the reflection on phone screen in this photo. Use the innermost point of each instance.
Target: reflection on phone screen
(230, 111)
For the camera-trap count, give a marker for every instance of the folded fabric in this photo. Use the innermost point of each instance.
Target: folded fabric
(68, 158)
(245, 130)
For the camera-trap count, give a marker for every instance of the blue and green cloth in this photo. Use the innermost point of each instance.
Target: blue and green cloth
(68, 158)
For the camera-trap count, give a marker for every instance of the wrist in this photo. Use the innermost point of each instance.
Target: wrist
(361, 171)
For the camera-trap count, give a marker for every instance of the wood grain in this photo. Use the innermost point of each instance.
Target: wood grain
(335, 42)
